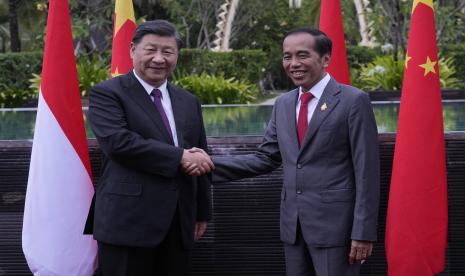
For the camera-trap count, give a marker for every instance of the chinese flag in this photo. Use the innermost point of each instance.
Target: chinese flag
(59, 187)
(416, 229)
(124, 27)
(331, 25)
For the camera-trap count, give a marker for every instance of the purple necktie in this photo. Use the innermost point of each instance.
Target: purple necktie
(156, 94)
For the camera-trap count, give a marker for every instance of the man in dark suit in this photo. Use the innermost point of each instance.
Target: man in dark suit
(148, 209)
(324, 134)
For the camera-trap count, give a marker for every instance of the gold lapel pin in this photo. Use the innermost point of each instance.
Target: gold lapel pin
(324, 107)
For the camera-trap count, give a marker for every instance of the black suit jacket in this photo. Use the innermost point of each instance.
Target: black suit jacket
(141, 183)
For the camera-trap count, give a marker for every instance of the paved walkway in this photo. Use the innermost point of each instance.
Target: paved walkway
(269, 101)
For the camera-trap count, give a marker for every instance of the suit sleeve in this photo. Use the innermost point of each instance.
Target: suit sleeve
(264, 160)
(365, 158)
(203, 187)
(124, 146)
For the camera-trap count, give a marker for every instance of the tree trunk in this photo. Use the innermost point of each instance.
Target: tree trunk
(396, 25)
(15, 41)
(224, 26)
(295, 4)
(219, 33)
(361, 6)
(228, 25)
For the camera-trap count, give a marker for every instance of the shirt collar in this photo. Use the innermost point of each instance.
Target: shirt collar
(318, 88)
(148, 88)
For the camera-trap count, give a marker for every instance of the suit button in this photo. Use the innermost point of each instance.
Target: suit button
(299, 192)
(299, 166)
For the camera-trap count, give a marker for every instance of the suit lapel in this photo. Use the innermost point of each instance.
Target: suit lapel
(140, 97)
(179, 112)
(325, 106)
(290, 107)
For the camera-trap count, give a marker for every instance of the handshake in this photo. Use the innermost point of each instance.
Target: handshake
(196, 162)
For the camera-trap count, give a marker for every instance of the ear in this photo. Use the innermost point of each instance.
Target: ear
(326, 58)
(132, 50)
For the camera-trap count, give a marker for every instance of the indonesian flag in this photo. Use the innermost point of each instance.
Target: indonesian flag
(124, 28)
(416, 229)
(331, 25)
(59, 189)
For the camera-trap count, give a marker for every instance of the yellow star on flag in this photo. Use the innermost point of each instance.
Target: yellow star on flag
(407, 59)
(429, 3)
(116, 73)
(428, 66)
(124, 11)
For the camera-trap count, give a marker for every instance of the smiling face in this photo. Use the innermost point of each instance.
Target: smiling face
(302, 63)
(154, 58)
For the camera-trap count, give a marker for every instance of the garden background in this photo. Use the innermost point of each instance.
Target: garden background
(250, 71)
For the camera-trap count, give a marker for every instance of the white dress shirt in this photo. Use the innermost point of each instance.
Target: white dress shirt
(165, 101)
(317, 91)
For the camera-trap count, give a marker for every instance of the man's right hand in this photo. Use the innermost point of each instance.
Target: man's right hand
(196, 162)
(360, 251)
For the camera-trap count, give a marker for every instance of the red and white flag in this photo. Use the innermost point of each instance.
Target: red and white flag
(331, 24)
(59, 190)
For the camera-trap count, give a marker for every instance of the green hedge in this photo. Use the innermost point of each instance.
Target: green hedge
(357, 55)
(247, 65)
(16, 69)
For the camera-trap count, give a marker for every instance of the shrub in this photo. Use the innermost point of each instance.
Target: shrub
(217, 90)
(16, 69)
(457, 53)
(385, 73)
(34, 82)
(359, 55)
(91, 70)
(447, 73)
(246, 65)
(15, 97)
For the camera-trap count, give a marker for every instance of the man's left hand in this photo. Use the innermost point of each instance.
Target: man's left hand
(200, 228)
(360, 251)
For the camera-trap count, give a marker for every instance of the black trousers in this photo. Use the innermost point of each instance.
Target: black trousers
(169, 258)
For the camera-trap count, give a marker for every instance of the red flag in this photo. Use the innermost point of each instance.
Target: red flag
(124, 28)
(331, 25)
(416, 230)
(59, 189)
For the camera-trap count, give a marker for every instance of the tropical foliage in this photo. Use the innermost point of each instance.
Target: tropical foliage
(91, 70)
(213, 89)
(386, 73)
(257, 25)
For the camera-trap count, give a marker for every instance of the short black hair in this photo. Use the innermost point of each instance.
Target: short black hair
(157, 27)
(323, 44)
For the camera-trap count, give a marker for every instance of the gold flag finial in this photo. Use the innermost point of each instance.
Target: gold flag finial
(429, 3)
